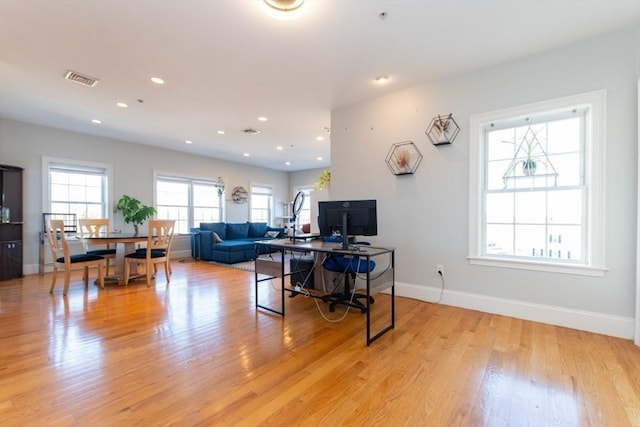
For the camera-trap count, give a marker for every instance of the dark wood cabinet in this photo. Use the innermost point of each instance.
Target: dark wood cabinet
(10, 222)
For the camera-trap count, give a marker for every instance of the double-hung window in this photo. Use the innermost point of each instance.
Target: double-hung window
(188, 201)
(536, 186)
(261, 203)
(74, 187)
(304, 217)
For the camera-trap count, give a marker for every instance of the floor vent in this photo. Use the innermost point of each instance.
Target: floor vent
(81, 78)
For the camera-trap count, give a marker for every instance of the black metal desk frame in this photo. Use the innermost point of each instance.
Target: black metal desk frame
(268, 269)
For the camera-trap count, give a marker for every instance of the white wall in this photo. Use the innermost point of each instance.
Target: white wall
(425, 216)
(305, 178)
(24, 145)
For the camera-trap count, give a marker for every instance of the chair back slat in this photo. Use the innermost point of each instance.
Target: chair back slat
(93, 227)
(160, 234)
(57, 240)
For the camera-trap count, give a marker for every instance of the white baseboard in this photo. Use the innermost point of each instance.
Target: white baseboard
(617, 326)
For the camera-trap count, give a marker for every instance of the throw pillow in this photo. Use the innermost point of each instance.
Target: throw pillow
(217, 238)
(272, 234)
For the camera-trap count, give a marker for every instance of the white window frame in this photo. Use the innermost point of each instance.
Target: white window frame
(271, 201)
(48, 162)
(190, 181)
(594, 180)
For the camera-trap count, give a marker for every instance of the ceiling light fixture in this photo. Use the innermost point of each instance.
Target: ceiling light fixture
(96, 121)
(220, 132)
(121, 104)
(319, 138)
(284, 5)
(382, 80)
(157, 80)
(262, 118)
(188, 142)
(279, 148)
(283, 10)
(287, 163)
(246, 154)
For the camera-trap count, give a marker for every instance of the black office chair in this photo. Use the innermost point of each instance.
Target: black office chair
(348, 266)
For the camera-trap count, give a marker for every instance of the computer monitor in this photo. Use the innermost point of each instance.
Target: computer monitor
(347, 218)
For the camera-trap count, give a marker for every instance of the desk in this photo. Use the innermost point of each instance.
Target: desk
(383, 278)
(125, 244)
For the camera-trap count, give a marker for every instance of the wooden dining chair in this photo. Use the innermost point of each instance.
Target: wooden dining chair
(158, 249)
(93, 228)
(63, 259)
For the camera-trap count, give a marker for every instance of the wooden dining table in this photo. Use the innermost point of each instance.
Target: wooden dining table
(125, 244)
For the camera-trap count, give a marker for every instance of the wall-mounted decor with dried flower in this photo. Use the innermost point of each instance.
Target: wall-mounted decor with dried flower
(403, 158)
(442, 130)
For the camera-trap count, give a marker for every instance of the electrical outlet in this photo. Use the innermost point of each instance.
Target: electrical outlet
(440, 269)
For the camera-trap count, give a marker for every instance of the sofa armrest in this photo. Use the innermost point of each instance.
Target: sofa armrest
(205, 245)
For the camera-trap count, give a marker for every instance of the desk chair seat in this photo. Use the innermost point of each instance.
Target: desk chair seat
(348, 266)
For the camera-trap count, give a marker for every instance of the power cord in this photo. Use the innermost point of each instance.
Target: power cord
(442, 288)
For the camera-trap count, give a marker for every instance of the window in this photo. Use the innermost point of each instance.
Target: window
(261, 203)
(305, 213)
(74, 187)
(536, 186)
(188, 201)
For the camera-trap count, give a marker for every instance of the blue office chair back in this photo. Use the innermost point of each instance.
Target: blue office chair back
(340, 263)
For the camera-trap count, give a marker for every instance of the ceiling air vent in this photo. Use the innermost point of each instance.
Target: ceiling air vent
(251, 131)
(81, 78)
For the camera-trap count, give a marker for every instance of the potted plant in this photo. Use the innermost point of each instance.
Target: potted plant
(529, 150)
(325, 180)
(133, 211)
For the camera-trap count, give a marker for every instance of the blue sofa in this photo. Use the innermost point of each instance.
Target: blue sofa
(230, 242)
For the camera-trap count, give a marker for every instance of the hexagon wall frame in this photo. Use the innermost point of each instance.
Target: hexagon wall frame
(442, 130)
(403, 158)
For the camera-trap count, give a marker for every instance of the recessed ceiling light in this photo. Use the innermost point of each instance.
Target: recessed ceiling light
(279, 148)
(287, 163)
(319, 138)
(157, 80)
(318, 158)
(121, 104)
(262, 118)
(221, 132)
(246, 154)
(188, 142)
(382, 80)
(283, 10)
(284, 5)
(96, 121)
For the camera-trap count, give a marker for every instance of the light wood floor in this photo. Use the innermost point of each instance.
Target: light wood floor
(196, 352)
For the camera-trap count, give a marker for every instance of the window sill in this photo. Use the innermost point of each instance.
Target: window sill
(577, 269)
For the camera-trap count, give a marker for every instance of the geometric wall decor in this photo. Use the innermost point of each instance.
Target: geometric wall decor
(442, 130)
(403, 158)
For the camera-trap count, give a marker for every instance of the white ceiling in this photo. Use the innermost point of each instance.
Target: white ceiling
(226, 62)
